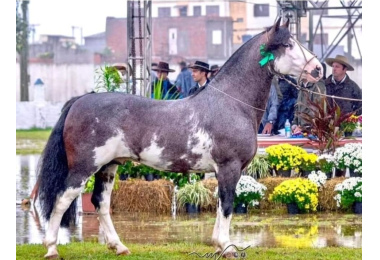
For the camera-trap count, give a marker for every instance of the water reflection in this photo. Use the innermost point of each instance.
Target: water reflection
(264, 230)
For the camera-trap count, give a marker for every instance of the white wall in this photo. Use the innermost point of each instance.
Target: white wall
(31, 114)
(61, 82)
(224, 7)
(256, 25)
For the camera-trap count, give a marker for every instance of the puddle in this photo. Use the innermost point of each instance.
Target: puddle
(261, 230)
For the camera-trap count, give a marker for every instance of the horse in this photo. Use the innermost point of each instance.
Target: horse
(214, 130)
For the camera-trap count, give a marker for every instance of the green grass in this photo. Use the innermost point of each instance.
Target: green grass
(31, 141)
(91, 250)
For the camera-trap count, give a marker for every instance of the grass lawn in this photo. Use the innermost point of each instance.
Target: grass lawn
(91, 250)
(31, 141)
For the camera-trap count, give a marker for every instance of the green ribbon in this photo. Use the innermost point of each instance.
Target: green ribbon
(267, 55)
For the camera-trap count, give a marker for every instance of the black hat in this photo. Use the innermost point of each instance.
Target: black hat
(200, 65)
(162, 66)
(214, 68)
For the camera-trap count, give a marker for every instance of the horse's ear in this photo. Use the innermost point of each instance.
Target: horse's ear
(275, 27)
(286, 24)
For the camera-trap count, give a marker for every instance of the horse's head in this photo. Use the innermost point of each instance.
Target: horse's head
(291, 58)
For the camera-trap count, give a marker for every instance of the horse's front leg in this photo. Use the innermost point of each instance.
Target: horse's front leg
(228, 177)
(101, 198)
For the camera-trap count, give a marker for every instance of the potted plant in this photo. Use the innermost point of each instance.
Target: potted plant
(325, 163)
(349, 156)
(192, 196)
(349, 194)
(259, 167)
(308, 163)
(249, 192)
(125, 170)
(284, 157)
(324, 122)
(299, 195)
(349, 125)
(318, 177)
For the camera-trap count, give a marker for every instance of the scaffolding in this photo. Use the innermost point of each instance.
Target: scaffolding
(294, 10)
(139, 45)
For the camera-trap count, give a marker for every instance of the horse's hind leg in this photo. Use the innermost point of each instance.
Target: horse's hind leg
(101, 198)
(228, 177)
(62, 203)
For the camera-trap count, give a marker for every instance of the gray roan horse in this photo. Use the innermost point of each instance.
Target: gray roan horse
(211, 131)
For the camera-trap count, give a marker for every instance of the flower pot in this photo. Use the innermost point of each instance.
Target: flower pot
(340, 172)
(240, 208)
(292, 208)
(192, 208)
(149, 177)
(328, 175)
(357, 207)
(347, 134)
(283, 173)
(124, 177)
(354, 174)
(156, 177)
(305, 173)
(87, 206)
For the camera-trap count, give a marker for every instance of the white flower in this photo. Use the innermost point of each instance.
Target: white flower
(318, 178)
(344, 188)
(350, 155)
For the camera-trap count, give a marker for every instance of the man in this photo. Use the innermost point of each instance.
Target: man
(270, 114)
(340, 85)
(199, 73)
(168, 90)
(302, 102)
(214, 70)
(184, 80)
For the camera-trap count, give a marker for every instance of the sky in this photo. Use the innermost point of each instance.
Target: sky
(57, 17)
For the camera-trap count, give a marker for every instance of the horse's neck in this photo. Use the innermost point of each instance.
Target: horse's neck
(242, 77)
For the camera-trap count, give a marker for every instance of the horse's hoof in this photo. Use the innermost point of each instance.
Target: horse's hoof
(48, 256)
(123, 252)
(230, 255)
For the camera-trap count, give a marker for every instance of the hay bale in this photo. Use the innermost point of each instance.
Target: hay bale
(210, 184)
(327, 193)
(135, 195)
(270, 183)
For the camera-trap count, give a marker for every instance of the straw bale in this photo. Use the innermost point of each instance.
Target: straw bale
(210, 184)
(135, 195)
(326, 195)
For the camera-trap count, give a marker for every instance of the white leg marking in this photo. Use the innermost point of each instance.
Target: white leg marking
(224, 232)
(215, 233)
(112, 239)
(61, 205)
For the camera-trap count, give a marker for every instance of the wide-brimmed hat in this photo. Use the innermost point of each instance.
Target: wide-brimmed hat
(163, 66)
(200, 65)
(120, 66)
(214, 68)
(340, 59)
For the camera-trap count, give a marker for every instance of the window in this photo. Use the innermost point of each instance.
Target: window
(212, 10)
(163, 11)
(183, 11)
(217, 37)
(197, 11)
(260, 10)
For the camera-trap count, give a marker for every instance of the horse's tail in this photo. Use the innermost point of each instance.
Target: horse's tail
(53, 170)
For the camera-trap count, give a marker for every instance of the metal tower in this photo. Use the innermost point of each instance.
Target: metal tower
(139, 44)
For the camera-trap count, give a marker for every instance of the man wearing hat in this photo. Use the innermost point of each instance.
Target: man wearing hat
(340, 85)
(184, 80)
(199, 73)
(213, 71)
(169, 91)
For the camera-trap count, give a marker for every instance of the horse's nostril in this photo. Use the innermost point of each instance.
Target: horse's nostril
(318, 68)
(315, 73)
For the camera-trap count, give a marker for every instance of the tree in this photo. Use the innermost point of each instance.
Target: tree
(22, 48)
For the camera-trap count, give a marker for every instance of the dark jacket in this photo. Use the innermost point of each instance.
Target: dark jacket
(286, 107)
(302, 104)
(196, 87)
(169, 91)
(348, 89)
(184, 82)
